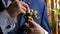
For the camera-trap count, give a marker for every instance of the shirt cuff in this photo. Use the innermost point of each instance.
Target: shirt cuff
(6, 20)
(45, 32)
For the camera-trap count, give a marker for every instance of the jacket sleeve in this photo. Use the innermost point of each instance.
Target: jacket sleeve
(45, 22)
(1, 31)
(7, 24)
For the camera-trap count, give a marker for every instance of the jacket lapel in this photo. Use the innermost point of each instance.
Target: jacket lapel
(1, 6)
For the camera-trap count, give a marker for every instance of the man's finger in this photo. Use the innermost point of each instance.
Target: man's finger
(32, 23)
(27, 25)
(24, 4)
(24, 8)
(28, 28)
(30, 18)
(22, 12)
(28, 10)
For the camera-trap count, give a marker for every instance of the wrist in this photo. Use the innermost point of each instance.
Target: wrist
(9, 10)
(42, 31)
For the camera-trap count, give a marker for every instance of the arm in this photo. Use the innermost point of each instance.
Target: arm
(5, 21)
(32, 27)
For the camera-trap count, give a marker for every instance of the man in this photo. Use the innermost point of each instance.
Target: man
(34, 4)
(40, 7)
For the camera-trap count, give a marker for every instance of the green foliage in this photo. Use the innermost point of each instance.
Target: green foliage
(53, 26)
(59, 2)
(26, 16)
(34, 15)
(57, 10)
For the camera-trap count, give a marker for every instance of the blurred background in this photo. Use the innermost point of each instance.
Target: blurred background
(53, 11)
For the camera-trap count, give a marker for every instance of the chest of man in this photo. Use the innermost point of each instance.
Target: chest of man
(34, 4)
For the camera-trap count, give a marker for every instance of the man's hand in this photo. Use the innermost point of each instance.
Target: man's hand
(31, 27)
(17, 8)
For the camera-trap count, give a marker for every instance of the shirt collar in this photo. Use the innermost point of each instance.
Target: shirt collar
(8, 3)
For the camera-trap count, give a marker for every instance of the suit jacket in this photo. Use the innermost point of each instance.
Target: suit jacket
(42, 15)
(40, 6)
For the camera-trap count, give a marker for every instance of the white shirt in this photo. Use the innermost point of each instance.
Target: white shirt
(6, 20)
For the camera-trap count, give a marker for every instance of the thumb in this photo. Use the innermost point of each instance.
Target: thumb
(31, 21)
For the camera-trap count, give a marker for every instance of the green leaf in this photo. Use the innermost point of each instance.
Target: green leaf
(26, 16)
(34, 17)
(59, 2)
(57, 10)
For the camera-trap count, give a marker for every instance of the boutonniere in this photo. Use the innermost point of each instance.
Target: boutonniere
(33, 14)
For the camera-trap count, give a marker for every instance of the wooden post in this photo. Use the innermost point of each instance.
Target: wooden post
(56, 23)
(57, 19)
